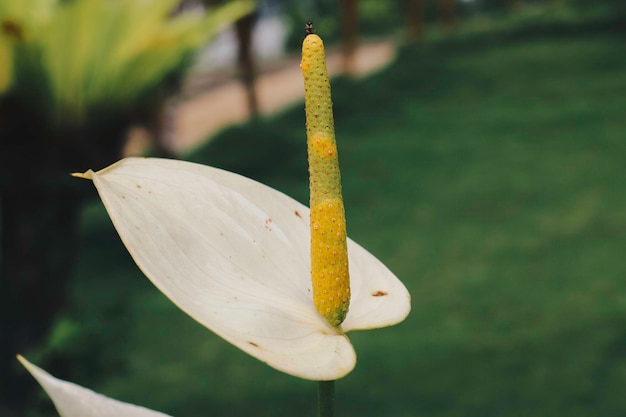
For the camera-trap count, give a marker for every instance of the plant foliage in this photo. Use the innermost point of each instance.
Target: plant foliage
(71, 61)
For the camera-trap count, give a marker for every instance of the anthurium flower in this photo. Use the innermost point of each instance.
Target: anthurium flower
(234, 255)
(72, 400)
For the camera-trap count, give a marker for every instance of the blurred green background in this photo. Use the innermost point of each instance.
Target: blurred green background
(485, 167)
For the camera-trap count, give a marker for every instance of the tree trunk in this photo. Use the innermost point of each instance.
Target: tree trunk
(245, 60)
(244, 28)
(349, 12)
(415, 20)
(447, 13)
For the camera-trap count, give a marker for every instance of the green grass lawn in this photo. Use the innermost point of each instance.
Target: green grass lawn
(488, 176)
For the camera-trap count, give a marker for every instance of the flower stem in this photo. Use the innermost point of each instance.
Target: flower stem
(326, 399)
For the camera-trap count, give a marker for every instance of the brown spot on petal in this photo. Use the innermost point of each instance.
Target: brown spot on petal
(379, 293)
(253, 344)
(297, 213)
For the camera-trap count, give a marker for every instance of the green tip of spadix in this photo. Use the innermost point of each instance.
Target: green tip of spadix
(87, 175)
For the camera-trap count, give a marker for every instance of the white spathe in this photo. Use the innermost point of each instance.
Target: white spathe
(234, 255)
(72, 400)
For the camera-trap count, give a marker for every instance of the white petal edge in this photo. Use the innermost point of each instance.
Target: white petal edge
(234, 255)
(72, 400)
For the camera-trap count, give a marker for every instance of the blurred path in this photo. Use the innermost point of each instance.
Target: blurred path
(204, 111)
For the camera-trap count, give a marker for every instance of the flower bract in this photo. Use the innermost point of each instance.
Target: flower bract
(72, 400)
(234, 255)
